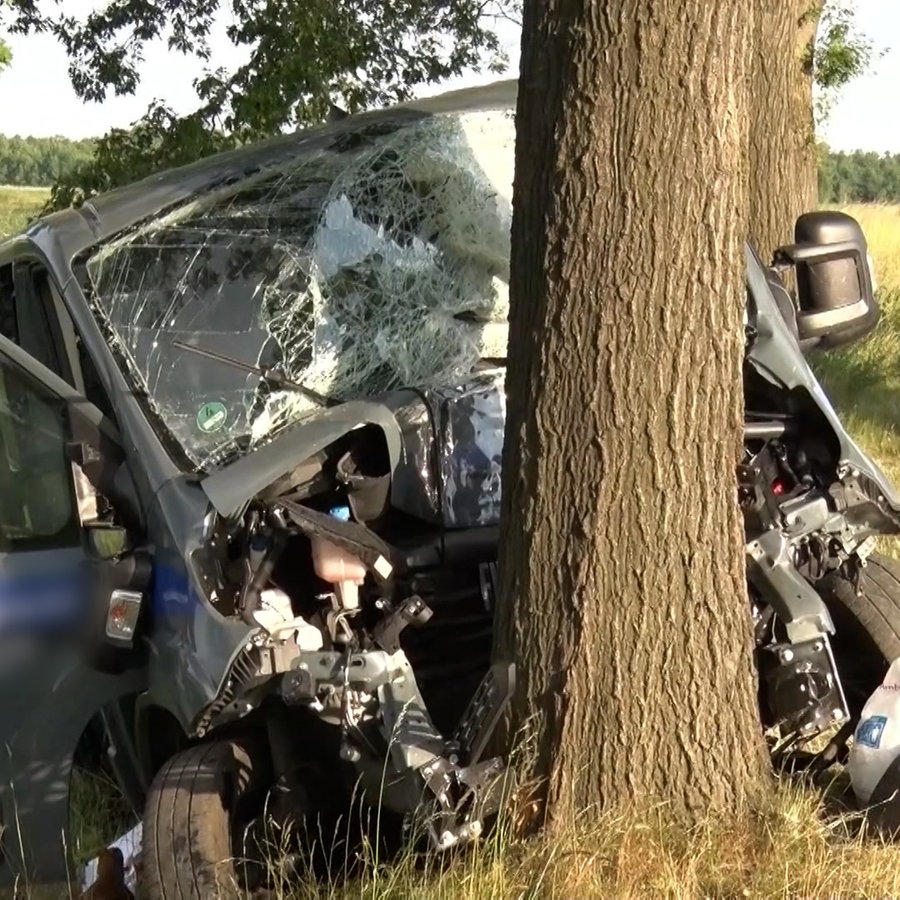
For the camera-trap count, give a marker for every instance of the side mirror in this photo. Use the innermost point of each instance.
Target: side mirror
(106, 542)
(835, 287)
(119, 576)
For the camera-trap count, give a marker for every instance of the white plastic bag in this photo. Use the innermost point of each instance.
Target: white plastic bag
(130, 845)
(876, 743)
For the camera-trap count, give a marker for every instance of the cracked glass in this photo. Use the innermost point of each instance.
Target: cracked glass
(374, 259)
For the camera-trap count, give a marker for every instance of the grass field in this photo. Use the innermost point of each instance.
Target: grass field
(17, 205)
(788, 848)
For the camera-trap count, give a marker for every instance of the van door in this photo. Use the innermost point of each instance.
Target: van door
(48, 693)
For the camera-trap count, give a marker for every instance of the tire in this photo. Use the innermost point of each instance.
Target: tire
(189, 825)
(867, 627)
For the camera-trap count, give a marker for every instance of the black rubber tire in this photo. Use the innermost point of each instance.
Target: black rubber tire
(188, 848)
(867, 638)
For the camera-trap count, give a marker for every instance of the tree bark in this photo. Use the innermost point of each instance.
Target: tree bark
(623, 594)
(783, 178)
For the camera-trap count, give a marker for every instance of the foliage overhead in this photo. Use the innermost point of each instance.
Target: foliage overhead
(841, 53)
(303, 58)
(158, 141)
(5, 52)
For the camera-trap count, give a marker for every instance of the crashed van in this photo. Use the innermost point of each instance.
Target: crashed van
(253, 418)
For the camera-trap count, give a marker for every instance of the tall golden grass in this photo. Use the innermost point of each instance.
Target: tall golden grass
(789, 848)
(18, 205)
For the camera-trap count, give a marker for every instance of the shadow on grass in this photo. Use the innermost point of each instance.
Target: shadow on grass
(862, 386)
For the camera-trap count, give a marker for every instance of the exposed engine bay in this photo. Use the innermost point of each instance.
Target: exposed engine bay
(812, 506)
(374, 606)
(370, 265)
(374, 594)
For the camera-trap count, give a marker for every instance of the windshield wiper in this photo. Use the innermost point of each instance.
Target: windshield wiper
(275, 377)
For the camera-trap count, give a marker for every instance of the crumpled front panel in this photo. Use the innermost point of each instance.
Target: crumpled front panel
(450, 470)
(378, 258)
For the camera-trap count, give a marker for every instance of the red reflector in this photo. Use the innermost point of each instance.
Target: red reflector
(122, 615)
(777, 487)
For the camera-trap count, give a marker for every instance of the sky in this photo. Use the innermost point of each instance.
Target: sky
(36, 96)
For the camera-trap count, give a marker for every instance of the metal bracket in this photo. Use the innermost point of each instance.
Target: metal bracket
(771, 570)
(484, 711)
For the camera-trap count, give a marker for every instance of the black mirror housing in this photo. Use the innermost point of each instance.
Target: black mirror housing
(835, 290)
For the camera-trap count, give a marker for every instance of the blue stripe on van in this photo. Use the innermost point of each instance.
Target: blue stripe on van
(43, 601)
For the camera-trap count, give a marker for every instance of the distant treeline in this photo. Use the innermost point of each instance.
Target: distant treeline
(843, 177)
(859, 177)
(38, 162)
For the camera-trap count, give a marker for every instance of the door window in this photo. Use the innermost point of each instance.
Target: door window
(37, 505)
(30, 311)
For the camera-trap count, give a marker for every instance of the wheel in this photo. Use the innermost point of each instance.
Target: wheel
(867, 627)
(193, 824)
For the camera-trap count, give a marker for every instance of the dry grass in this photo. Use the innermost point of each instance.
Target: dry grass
(789, 849)
(18, 205)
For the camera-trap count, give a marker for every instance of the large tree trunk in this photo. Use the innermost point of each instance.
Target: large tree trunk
(623, 595)
(783, 178)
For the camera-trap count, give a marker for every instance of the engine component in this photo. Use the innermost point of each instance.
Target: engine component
(483, 715)
(378, 557)
(805, 695)
(338, 567)
(452, 653)
(771, 569)
(413, 611)
(276, 616)
(388, 734)
(267, 551)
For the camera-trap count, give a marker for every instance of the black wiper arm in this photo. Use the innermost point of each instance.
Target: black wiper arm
(274, 377)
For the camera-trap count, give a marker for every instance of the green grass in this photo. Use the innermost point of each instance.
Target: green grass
(98, 815)
(18, 205)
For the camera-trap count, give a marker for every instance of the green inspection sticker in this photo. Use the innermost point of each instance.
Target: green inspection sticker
(211, 417)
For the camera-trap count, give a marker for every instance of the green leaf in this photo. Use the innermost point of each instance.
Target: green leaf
(841, 53)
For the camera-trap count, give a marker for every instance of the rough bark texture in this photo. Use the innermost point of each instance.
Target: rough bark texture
(623, 600)
(783, 179)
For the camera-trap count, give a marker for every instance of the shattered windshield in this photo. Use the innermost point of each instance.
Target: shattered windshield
(376, 258)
